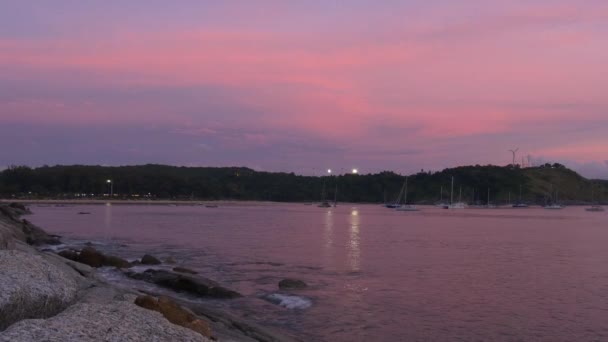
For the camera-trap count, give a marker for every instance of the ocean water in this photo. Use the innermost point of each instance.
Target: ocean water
(375, 274)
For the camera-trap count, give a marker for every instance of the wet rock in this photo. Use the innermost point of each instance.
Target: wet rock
(175, 313)
(170, 261)
(115, 261)
(69, 254)
(195, 285)
(291, 284)
(149, 260)
(184, 270)
(94, 258)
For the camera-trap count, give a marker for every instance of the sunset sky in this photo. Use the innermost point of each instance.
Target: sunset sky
(305, 85)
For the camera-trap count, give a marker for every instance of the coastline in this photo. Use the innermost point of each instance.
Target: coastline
(47, 296)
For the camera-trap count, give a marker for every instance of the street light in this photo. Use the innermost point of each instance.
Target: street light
(329, 171)
(109, 181)
(355, 171)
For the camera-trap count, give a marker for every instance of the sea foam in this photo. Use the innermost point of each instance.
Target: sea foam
(289, 302)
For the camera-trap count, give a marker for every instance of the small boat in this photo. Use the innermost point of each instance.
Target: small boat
(554, 206)
(211, 206)
(396, 204)
(84, 213)
(457, 205)
(520, 203)
(324, 203)
(594, 207)
(405, 206)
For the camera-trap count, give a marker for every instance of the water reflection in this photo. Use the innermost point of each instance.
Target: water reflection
(328, 235)
(354, 250)
(107, 222)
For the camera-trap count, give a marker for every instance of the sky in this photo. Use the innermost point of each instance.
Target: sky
(302, 86)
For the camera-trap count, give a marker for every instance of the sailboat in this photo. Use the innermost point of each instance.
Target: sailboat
(441, 203)
(457, 205)
(405, 206)
(555, 205)
(594, 207)
(396, 203)
(519, 203)
(488, 205)
(336, 196)
(324, 203)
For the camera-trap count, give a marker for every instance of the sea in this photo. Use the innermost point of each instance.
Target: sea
(373, 274)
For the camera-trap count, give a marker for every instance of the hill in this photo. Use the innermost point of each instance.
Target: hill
(538, 184)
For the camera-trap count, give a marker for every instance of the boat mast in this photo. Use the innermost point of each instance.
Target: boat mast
(405, 195)
(460, 195)
(452, 192)
(441, 195)
(488, 197)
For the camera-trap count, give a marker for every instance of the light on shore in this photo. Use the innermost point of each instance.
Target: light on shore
(109, 181)
(355, 171)
(329, 171)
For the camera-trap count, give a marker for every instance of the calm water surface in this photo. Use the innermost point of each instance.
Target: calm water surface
(377, 274)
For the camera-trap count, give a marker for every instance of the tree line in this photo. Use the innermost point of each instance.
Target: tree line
(240, 183)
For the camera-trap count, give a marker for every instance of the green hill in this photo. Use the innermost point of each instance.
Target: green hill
(538, 184)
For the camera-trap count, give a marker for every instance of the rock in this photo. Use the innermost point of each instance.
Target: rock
(170, 261)
(115, 261)
(291, 284)
(175, 313)
(184, 270)
(36, 236)
(19, 208)
(33, 286)
(195, 285)
(92, 257)
(149, 260)
(69, 254)
(115, 321)
(7, 238)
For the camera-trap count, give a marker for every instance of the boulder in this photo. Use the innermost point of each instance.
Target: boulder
(175, 313)
(19, 208)
(191, 284)
(291, 284)
(69, 254)
(36, 236)
(115, 261)
(7, 239)
(33, 286)
(92, 257)
(170, 261)
(184, 270)
(114, 321)
(149, 260)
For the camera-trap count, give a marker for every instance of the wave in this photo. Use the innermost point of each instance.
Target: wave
(288, 301)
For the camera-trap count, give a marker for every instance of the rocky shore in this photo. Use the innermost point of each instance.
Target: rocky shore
(59, 297)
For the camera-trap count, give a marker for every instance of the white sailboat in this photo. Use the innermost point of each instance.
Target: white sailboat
(594, 207)
(520, 203)
(441, 203)
(457, 205)
(405, 206)
(324, 203)
(555, 205)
